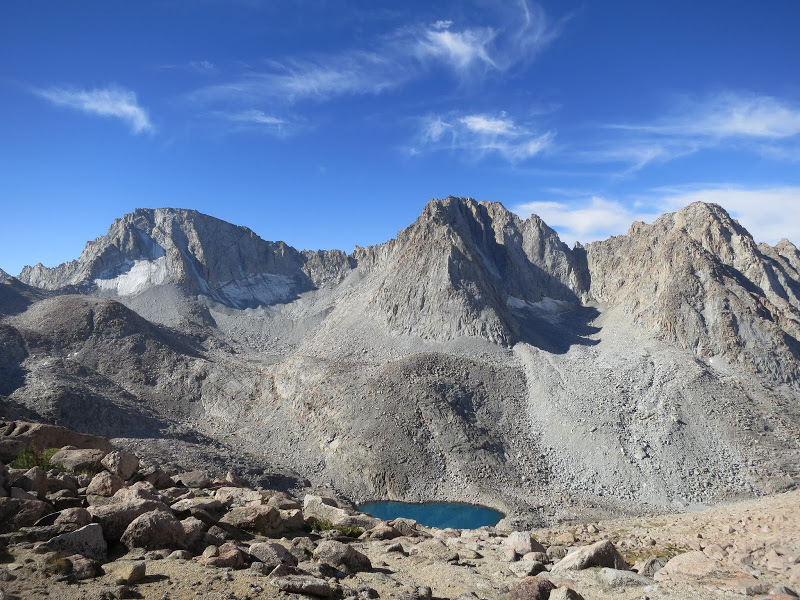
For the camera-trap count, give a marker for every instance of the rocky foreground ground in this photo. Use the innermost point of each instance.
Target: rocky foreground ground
(103, 525)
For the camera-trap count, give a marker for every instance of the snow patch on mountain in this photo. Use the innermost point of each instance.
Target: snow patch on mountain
(259, 290)
(142, 274)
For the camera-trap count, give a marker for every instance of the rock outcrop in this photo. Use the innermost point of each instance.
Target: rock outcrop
(46, 558)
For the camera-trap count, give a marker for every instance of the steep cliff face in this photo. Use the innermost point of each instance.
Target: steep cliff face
(465, 268)
(697, 279)
(202, 254)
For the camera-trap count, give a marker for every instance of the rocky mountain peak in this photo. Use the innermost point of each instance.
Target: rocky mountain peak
(717, 233)
(3, 276)
(169, 246)
(786, 253)
(467, 268)
(696, 278)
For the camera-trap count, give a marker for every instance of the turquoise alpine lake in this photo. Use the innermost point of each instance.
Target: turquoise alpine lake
(435, 514)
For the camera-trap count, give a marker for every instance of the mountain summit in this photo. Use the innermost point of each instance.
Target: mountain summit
(168, 246)
(695, 277)
(474, 357)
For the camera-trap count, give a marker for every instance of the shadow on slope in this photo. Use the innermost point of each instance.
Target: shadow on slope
(83, 409)
(16, 297)
(12, 353)
(556, 334)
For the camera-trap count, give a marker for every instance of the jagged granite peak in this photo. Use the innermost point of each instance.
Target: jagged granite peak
(467, 268)
(464, 267)
(696, 278)
(3, 276)
(787, 259)
(205, 255)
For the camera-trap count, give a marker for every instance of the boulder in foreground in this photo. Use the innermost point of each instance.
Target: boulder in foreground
(601, 554)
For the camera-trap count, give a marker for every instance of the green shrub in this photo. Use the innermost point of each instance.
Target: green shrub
(325, 525)
(29, 458)
(320, 524)
(90, 471)
(56, 565)
(47, 457)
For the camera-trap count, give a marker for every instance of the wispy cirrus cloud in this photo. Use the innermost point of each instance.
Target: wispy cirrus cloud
(259, 121)
(517, 35)
(106, 102)
(477, 135)
(727, 115)
(635, 154)
(295, 79)
(744, 121)
(459, 49)
(393, 59)
(202, 66)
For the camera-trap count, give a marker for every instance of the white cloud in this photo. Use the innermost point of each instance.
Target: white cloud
(393, 60)
(460, 49)
(478, 135)
(202, 66)
(356, 73)
(747, 122)
(107, 102)
(730, 115)
(637, 154)
(482, 124)
(763, 212)
(526, 148)
(535, 31)
(516, 34)
(583, 220)
(767, 213)
(298, 79)
(783, 152)
(259, 121)
(434, 129)
(257, 116)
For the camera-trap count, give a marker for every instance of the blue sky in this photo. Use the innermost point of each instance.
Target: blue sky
(328, 124)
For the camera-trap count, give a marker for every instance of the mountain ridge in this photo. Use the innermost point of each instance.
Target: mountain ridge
(501, 364)
(482, 257)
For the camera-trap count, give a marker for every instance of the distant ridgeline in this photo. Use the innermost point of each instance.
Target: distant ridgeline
(650, 371)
